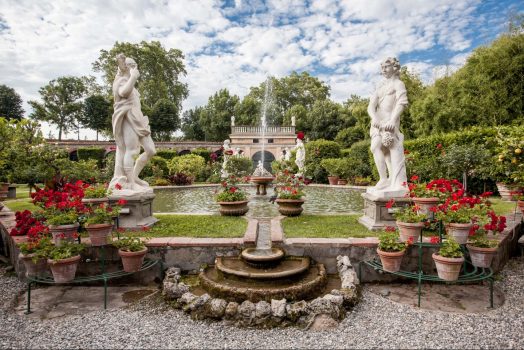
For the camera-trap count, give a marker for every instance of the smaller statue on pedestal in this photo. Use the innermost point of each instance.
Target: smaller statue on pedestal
(226, 153)
(300, 160)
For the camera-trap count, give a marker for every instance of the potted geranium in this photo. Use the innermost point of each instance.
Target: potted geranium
(63, 224)
(449, 260)
(457, 219)
(96, 194)
(33, 256)
(289, 193)
(481, 248)
(232, 200)
(132, 250)
(410, 222)
(63, 260)
(391, 250)
(428, 195)
(99, 222)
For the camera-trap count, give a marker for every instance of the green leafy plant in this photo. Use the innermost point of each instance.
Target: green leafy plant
(189, 164)
(57, 218)
(460, 214)
(65, 250)
(409, 214)
(450, 249)
(482, 241)
(389, 241)
(333, 166)
(96, 191)
(130, 244)
(102, 214)
(239, 166)
(38, 248)
(230, 191)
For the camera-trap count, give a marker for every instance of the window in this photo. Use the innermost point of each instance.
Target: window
(269, 140)
(255, 140)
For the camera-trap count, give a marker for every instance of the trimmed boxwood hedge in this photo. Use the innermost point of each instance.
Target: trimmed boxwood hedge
(167, 154)
(87, 153)
(315, 152)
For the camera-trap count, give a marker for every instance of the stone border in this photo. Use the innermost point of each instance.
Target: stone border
(331, 307)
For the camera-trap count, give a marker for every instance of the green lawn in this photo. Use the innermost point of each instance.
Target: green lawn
(503, 207)
(198, 226)
(20, 205)
(323, 226)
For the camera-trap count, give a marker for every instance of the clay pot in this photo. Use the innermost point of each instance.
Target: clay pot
(520, 204)
(132, 261)
(290, 207)
(333, 180)
(64, 270)
(99, 233)
(459, 231)
(481, 257)
(69, 232)
(342, 182)
(448, 269)
(33, 269)
(505, 191)
(425, 205)
(4, 190)
(408, 229)
(391, 260)
(238, 208)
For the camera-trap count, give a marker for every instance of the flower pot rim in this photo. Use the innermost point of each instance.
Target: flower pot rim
(97, 225)
(397, 253)
(412, 224)
(481, 249)
(95, 198)
(301, 200)
(426, 199)
(26, 256)
(76, 224)
(64, 261)
(235, 202)
(460, 224)
(445, 260)
(126, 253)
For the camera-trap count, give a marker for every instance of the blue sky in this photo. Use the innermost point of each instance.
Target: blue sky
(237, 43)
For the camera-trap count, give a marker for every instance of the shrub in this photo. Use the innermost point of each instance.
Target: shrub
(180, 179)
(202, 152)
(333, 166)
(88, 153)
(315, 152)
(361, 160)
(157, 168)
(85, 170)
(167, 154)
(189, 164)
(239, 166)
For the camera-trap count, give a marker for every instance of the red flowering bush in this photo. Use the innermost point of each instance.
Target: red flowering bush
(61, 207)
(25, 220)
(289, 186)
(230, 191)
(439, 188)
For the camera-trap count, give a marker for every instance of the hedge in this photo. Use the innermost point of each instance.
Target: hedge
(202, 152)
(167, 154)
(315, 152)
(87, 153)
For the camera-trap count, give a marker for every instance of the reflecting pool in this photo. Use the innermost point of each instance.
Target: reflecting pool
(200, 200)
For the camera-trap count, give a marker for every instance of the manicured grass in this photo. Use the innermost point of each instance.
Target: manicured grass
(323, 226)
(20, 205)
(503, 207)
(198, 226)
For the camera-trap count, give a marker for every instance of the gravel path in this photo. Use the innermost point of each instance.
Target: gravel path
(375, 323)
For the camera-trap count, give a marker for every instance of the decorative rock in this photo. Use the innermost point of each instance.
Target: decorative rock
(231, 310)
(216, 308)
(246, 312)
(385, 292)
(199, 302)
(186, 299)
(295, 310)
(337, 300)
(322, 322)
(174, 290)
(324, 306)
(346, 272)
(262, 312)
(173, 274)
(278, 308)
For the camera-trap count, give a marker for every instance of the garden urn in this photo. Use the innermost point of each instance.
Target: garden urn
(237, 208)
(290, 207)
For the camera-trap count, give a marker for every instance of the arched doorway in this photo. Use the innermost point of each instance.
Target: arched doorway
(268, 158)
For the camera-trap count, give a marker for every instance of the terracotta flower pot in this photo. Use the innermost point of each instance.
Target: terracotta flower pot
(481, 257)
(505, 191)
(95, 201)
(520, 204)
(459, 231)
(333, 180)
(290, 207)
(64, 270)
(391, 260)
(33, 269)
(425, 205)
(68, 232)
(408, 229)
(448, 269)
(132, 261)
(342, 182)
(237, 208)
(99, 233)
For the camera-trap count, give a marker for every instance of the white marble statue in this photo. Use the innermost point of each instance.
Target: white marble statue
(131, 130)
(226, 153)
(260, 171)
(300, 157)
(288, 153)
(232, 120)
(293, 120)
(387, 142)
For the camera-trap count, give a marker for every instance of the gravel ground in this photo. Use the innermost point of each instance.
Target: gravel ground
(375, 323)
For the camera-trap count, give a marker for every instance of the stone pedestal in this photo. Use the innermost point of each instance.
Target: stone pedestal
(137, 213)
(376, 215)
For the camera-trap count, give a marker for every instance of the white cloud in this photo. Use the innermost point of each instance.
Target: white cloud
(238, 46)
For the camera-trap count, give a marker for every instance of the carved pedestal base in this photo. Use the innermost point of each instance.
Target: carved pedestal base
(376, 215)
(137, 213)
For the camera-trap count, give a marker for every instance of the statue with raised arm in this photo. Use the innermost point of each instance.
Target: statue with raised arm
(300, 159)
(131, 130)
(387, 142)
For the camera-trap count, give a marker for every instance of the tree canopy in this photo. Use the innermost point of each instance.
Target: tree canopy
(96, 113)
(10, 103)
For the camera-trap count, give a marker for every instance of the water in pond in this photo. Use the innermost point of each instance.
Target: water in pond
(200, 200)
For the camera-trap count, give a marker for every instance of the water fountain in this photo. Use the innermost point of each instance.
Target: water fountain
(262, 177)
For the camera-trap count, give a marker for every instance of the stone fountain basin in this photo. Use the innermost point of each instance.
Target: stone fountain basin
(304, 286)
(261, 256)
(286, 268)
(261, 179)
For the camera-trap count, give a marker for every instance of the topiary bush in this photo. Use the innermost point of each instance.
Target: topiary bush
(315, 152)
(87, 153)
(167, 154)
(239, 166)
(202, 152)
(157, 167)
(189, 164)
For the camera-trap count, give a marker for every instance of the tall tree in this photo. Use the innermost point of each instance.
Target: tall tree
(160, 71)
(191, 125)
(61, 103)
(215, 118)
(96, 113)
(164, 119)
(10, 103)
(327, 118)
